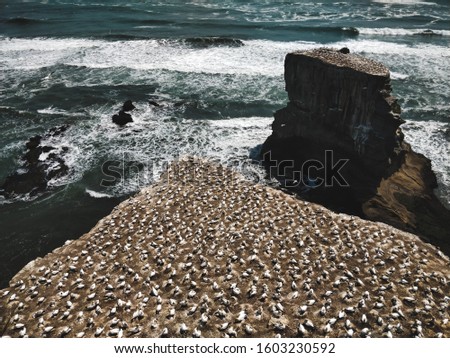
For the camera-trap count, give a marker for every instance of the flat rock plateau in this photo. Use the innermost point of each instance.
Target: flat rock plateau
(205, 253)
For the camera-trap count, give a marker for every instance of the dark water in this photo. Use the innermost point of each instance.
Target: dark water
(69, 62)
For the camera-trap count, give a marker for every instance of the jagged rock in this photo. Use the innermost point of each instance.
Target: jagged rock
(41, 164)
(205, 253)
(153, 103)
(122, 118)
(128, 106)
(342, 103)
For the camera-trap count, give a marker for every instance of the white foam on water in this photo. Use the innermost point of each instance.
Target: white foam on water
(242, 74)
(406, 2)
(257, 57)
(432, 139)
(56, 111)
(39, 52)
(400, 32)
(154, 139)
(97, 195)
(398, 76)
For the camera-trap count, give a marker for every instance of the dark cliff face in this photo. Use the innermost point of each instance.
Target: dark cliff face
(341, 115)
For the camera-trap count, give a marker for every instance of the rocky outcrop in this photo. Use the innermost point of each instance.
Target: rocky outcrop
(204, 253)
(341, 126)
(41, 163)
(123, 117)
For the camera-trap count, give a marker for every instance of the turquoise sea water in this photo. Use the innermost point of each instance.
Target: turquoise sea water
(216, 68)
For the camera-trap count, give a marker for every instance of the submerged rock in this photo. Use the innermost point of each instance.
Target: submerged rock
(214, 41)
(428, 33)
(205, 253)
(341, 127)
(153, 103)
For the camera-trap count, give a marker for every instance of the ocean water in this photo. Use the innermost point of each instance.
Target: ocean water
(215, 68)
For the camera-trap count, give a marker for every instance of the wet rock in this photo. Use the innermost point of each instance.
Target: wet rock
(122, 118)
(153, 103)
(33, 142)
(128, 106)
(41, 163)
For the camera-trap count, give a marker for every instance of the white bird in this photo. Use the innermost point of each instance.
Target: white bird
(308, 324)
(327, 328)
(252, 291)
(235, 290)
(302, 330)
(196, 333)
(183, 328)
(204, 318)
(323, 311)
(365, 332)
(242, 316)
(48, 329)
(65, 331)
(98, 331)
(114, 332)
(138, 314)
(248, 329)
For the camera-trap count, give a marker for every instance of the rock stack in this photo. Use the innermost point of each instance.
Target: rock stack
(341, 110)
(204, 253)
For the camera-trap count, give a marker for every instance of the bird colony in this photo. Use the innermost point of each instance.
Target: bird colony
(205, 253)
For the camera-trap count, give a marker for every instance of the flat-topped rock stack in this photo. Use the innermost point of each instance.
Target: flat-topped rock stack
(204, 253)
(341, 103)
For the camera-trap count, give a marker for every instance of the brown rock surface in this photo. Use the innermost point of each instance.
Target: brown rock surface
(343, 103)
(205, 253)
